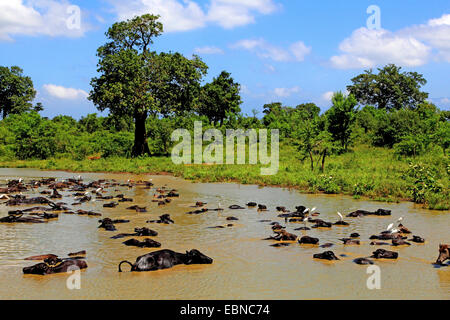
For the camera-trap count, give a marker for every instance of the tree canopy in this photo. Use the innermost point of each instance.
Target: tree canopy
(389, 89)
(340, 118)
(219, 98)
(16, 91)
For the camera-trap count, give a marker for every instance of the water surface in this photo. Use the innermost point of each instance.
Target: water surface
(245, 267)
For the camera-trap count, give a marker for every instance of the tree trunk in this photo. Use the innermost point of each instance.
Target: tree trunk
(312, 161)
(140, 146)
(323, 159)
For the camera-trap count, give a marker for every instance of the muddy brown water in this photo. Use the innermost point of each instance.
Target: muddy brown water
(245, 267)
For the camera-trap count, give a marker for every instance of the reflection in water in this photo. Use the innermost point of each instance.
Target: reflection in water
(245, 267)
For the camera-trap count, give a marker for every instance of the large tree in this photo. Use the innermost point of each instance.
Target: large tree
(16, 91)
(340, 118)
(219, 98)
(389, 89)
(135, 81)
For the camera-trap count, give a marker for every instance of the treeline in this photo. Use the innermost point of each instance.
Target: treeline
(149, 94)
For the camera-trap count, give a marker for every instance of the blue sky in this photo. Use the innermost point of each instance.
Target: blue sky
(279, 50)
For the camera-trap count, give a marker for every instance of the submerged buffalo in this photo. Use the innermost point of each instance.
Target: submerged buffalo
(384, 254)
(308, 240)
(361, 213)
(444, 254)
(164, 219)
(146, 243)
(165, 259)
(362, 261)
(55, 265)
(15, 218)
(327, 255)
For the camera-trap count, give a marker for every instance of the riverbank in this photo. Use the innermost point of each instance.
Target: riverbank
(367, 172)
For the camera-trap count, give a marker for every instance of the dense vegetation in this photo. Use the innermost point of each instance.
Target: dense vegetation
(383, 140)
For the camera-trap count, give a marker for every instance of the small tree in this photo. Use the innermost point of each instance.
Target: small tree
(340, 118)
(312, 141)
(219, 98)
(442, 136)
(16, 91)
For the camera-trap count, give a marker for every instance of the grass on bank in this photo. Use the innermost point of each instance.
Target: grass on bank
(374, 173)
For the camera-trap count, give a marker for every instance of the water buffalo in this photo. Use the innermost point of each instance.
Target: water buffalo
(262, 207)
(20, 200)
(235, 207)
(403, 229)
(88, 213)
(361, 213)
(13, 218)
(384, 254)
(137, 208)
(308, 240)
(355, 235)
(400, 242)
(139, 232)
(327, 255)
(444, 254)
(321, 224)
(362, 261)
(199, 211)
(165, 219)
(282, 244)
(348, 241)
(417, 239)
(146, 243)
(108, 224)
(378, 243)
(173, 194)
(283, 235)
(110, 205)
(55, 265)
(165, 259)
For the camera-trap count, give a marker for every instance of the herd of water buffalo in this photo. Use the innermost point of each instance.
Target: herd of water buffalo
(46, 207)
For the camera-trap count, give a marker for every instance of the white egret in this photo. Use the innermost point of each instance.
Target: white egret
(4, 197)
(340, 216)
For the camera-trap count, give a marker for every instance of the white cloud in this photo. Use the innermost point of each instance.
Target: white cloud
(444, 20)
(327, 96)
(61, 92)
(208, 50)
(38, 17)
(411, 46)
(367, 48)
(300, 50)
(285, 92)
(184, 15)
(175, 16)
(263, 49)
(436, 32)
